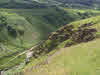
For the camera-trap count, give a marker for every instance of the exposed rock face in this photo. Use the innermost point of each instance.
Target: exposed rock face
(2, 72)
(84, 35)
(63, 33)
(52, 35)
(29, 55)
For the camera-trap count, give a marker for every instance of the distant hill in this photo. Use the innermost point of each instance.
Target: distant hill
(93, 4)
(21, 4)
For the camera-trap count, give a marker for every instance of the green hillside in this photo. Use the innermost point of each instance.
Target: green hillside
(49, 27)
(23, 28)
(82, 59)
(79, 59)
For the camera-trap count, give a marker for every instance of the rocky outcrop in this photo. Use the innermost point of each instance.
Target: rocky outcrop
(84, 33)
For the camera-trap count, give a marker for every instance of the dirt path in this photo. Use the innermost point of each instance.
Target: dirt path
(46, 61)
(20, 54)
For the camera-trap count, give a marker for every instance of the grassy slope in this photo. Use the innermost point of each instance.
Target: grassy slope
(82, 59)
(38, 18)
(42, 19)
(11, 46)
